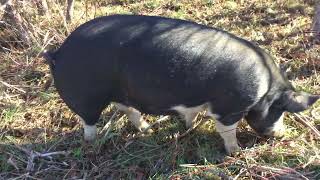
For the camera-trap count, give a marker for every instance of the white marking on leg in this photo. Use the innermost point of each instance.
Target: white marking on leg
(90, 132)
(228, 134)
(134, 116)
(278, 129)
(190, 113)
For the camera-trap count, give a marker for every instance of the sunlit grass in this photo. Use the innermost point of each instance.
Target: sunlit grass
(36, 121)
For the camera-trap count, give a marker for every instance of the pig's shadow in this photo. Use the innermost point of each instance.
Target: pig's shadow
(197, 147)
(117, 154)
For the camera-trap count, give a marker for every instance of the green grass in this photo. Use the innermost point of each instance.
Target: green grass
(8, 115)
(36, 121)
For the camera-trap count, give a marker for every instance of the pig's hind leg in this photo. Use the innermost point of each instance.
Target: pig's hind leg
(134, 116)
(189, 114)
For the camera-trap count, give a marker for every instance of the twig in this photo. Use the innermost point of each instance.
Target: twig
(64, 21)
(13, 163)
(22, 176)
(34, 154)
(52, 153)
(46, 43)
(191, 128)
(242, 170)
(307, 124)
(12, 86)
(196, 166)
(311, 160)
(283, 171)
(109, 123)
(56, 143)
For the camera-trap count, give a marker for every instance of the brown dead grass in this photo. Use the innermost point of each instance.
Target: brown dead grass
(40, 138)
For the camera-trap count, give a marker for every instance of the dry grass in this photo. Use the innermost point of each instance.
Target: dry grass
(41, 139)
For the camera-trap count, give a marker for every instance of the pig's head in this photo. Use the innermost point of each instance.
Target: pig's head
(267, 119)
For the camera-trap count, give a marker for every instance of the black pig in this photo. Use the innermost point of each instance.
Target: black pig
(159, 66)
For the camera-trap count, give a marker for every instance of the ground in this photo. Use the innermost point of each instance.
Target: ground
(40, 138)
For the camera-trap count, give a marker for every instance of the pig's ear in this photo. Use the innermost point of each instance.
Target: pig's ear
(298, 101)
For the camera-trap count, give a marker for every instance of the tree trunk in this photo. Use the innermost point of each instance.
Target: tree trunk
(316, 21)
(70, 4)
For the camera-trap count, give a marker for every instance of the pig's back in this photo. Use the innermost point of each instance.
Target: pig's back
(157, 62)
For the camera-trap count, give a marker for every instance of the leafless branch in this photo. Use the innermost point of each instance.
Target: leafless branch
(12, 86)
(307, 124)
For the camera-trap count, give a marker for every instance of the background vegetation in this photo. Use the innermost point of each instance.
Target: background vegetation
(40, 138)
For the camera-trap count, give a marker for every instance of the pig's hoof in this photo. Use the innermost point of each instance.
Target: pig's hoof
(231, 150)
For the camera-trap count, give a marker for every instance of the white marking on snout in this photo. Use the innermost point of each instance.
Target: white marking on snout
(134, 116)
(278, 128)
(190, 113)
(228, 134)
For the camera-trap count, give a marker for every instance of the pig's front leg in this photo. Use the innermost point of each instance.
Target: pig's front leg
(90, 131)
(228, 134)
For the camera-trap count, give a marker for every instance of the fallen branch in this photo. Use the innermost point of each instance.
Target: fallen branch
(109, 123)
(197, 166)
(12, 86)
(307, 124)
(34, 154)
(49, 154)
(281, 171)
